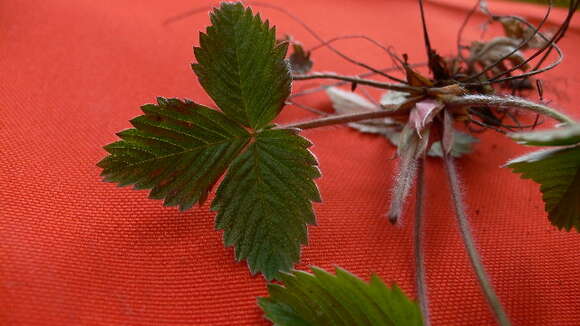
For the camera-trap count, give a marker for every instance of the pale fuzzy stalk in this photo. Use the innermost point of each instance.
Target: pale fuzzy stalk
(403, 183)
(465, 231)
(508, 101)
(420, 280)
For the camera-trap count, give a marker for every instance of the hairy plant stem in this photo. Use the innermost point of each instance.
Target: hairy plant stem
(420, 281)
(465, 231)
(507, 101)
(475, 100)
(341, 119)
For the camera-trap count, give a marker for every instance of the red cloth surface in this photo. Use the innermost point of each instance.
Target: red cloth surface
(78, 251)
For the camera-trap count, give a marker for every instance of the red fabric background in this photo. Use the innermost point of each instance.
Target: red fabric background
(77, 251)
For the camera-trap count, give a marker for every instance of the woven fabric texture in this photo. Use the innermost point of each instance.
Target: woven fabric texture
(77, 251)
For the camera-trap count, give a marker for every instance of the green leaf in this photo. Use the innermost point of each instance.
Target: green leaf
(569, 135)
(462, 145)
(264, 202)
(241, 66)
(558, 173)
(178, 149)
(323, 299)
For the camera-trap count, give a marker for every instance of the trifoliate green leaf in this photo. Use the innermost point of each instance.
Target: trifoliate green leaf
(178, 149)
(264, 202)
(558, 173)
(462, 144)
(241, 66)
(323, 299)
(564, 136)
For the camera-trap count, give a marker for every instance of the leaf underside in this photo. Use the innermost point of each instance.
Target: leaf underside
(264, 202)
(241, 66)
(569, 135)
(323, 299)
(178, 149)
(558, 173)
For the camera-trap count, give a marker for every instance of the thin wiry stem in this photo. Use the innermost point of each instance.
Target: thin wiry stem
(535, 71)
(426, 34)
(321, 40)
(420, 280)
(508, 101)
(374, 42)
(522, 44)
(340, 119)
(551, 44)
(307, 108)
(485, 126)
(361, 81)
(356, 36)
(189, 13)
(462, 28)
(465, 231)
(571, 11)
(341, 83)
(530, 73)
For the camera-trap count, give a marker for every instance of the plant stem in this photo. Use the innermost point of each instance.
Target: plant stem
(362, 81)
(340, 83)
(341, 119)
(508, 101)
(420, 281)
(453, 89)
(465, 231)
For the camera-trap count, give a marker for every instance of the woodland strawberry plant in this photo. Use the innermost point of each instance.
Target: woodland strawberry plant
(180, 150)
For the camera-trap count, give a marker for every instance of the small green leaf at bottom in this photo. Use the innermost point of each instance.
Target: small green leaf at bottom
(323, 299)
(558, 173)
